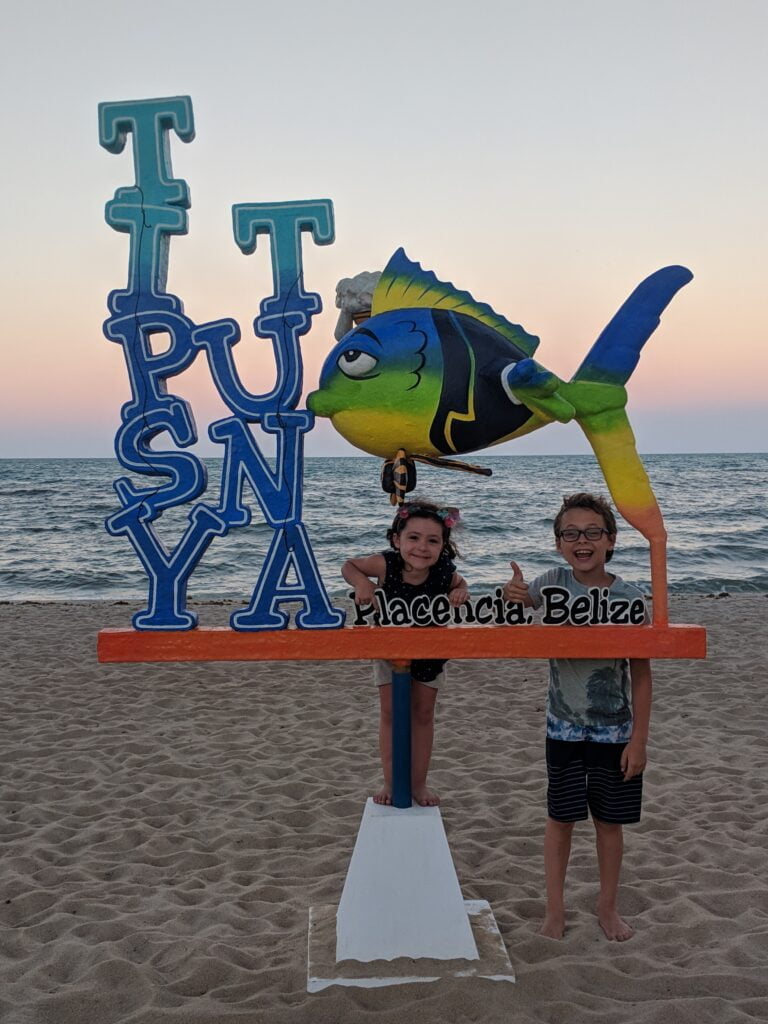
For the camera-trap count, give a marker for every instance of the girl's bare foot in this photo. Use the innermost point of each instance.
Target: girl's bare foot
(553, 926)
(384, 796)
(614, 927)
(424, 797)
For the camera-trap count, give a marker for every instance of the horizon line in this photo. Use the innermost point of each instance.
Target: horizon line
(365, 455)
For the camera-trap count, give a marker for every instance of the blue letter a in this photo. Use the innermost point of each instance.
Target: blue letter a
(290, 549)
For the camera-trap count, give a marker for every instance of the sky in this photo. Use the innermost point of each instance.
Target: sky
(546, 155)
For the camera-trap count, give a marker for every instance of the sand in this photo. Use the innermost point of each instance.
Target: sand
(165, 830)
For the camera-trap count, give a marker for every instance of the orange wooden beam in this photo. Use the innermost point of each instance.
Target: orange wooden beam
(212, 643)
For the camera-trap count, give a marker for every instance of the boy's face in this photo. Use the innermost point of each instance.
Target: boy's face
(584, 556)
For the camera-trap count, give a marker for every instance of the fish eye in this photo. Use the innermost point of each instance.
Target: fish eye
(356, 363)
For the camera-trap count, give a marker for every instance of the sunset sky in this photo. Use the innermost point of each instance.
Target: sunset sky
(546, 155)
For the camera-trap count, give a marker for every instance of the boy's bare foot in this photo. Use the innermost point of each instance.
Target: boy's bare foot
(384, 796)
(614, 927)
(553, 926)
(424, 797)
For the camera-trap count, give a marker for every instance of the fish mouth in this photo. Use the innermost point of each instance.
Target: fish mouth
(317, 404)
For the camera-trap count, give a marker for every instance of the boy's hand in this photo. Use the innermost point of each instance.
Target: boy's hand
(457, 596)
(516, 590)
(633, 759)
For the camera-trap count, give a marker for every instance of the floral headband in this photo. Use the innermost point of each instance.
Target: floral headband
(449, 516)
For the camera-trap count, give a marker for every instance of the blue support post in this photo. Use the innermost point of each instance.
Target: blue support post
(401, 734)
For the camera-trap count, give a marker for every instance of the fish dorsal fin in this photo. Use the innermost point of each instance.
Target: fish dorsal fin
(407, 285)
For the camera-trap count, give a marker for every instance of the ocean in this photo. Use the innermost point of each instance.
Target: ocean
(55, 547)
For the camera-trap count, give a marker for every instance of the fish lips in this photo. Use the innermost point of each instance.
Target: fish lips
(321, 403)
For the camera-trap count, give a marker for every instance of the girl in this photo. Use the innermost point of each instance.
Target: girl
(420, 561)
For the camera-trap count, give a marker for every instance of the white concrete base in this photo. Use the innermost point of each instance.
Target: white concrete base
(323, 970)
(402, 897)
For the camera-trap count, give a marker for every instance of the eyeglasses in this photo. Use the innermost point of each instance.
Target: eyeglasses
(571, 534)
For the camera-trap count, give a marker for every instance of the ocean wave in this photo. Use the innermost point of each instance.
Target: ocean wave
(55, 543)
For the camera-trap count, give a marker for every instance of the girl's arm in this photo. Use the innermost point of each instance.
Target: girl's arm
(633, 758)
(458, 592)
(360, 574)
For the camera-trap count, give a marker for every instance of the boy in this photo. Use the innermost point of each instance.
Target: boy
(597, 725)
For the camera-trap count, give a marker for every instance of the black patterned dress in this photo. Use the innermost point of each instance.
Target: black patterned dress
(438, 581)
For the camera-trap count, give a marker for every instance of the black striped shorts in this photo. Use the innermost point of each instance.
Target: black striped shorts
(585, 774)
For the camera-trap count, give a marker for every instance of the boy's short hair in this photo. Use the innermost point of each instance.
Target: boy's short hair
(593, 503)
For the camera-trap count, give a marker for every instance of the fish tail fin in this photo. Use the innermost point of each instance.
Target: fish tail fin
(616, 352)
(613, 442)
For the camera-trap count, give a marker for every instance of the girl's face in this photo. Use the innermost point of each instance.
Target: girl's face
(420, 542)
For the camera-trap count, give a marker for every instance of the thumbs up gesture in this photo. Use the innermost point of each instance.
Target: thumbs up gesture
(516, 589)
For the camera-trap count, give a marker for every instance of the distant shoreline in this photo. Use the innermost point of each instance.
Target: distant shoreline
(227, 603)
(474, 456)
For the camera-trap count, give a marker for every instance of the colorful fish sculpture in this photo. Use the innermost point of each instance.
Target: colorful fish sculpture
(436, 373)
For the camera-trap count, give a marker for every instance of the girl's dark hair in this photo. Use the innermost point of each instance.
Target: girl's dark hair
(446, 517)
(592, 503)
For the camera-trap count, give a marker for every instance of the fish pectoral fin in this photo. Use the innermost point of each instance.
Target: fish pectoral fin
(530, 377)
(464, 467)
(527, 383)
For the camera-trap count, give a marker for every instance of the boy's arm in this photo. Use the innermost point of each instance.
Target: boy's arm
(360, 573)
(633, 758)
(458, 592)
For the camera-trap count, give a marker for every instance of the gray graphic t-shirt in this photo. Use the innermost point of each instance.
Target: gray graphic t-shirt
(588, 693)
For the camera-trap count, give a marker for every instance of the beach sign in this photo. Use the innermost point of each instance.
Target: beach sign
(467, 358)
(416, 373)
(458, 356)
(429, 372)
